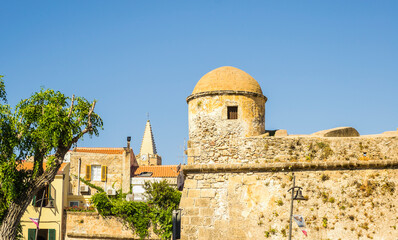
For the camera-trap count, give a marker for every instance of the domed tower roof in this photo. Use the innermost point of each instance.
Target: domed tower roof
(227, 78)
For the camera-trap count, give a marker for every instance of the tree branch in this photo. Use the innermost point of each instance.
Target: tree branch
(88, 127)
(71, 106)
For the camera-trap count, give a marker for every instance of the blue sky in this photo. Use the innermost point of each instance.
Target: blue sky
(322, 64)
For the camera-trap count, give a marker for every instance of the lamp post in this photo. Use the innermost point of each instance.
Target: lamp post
(296, 195)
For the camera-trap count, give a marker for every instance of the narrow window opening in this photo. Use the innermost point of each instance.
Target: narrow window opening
(232, 112)
(40, 197)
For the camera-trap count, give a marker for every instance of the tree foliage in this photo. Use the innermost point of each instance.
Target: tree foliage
(41, 128)
(162, 200)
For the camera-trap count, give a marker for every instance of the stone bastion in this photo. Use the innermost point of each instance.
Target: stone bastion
(237, 188)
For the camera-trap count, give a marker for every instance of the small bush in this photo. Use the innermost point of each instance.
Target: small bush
(325, 177)
(324, 222)
(279, 202)
(102, 203)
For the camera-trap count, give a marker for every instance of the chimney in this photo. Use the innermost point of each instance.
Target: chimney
(128, 143)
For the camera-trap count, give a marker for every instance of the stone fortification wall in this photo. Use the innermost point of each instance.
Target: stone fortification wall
(240, 202)
(208, 116)
(226, 150)
(236, 188)
(91, 226)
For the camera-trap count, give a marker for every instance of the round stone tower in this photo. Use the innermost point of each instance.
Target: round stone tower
(226, 102)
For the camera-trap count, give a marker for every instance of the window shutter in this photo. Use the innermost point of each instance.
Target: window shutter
(49, 191)
(88, 172)
(51, 234)
(31, 234)
(103, 173)
(34, 200)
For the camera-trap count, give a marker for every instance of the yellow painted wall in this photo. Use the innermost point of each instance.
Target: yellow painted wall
(51, 218)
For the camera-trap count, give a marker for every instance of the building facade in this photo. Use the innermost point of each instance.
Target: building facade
(108, 168)
(52, 214)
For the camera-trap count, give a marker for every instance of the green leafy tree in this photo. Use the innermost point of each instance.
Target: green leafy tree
(42, 127)
(162, 199)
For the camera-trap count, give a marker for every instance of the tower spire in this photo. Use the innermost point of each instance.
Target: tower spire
(148, 143)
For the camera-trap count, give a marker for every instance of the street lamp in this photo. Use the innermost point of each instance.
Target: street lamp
(296, 195)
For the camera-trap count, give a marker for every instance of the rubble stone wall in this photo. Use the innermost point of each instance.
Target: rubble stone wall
(208, 116)
(244, 204)
(236, 188)
(91, 226)
(118, 169)
(291, 149)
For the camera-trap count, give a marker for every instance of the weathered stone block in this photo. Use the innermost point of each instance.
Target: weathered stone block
(190, 183)
(186, 202)
(198, 221)
(207, 193)
(194, 193)
(205, 212)
(281, 133)
(202, 202)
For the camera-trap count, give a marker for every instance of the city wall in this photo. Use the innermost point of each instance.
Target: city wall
(306, 148)
(236, 188)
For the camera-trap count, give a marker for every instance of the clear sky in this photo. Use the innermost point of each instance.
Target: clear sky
(322, 64)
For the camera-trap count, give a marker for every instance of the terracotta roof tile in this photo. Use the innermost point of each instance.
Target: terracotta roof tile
(29, 166)
(99, 150)
(158, 171)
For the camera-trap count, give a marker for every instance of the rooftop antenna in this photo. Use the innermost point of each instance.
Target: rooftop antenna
(184, 156)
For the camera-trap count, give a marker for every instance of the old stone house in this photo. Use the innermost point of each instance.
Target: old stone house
(108, 168)
(238, 174)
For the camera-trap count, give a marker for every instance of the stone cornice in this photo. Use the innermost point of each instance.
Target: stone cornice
(99, 236)
(225, 92)
(290, 166)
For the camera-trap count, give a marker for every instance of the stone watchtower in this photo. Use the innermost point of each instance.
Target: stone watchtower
(226, 102)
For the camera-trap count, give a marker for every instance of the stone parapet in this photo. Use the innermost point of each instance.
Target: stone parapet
(291, 149)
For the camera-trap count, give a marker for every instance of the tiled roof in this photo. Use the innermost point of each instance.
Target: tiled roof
(158, 171)
(99, 150)
(29, 166)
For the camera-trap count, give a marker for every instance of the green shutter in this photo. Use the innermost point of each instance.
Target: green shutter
(31, 234)
(34, 201)
(51, 234)
(49, 191)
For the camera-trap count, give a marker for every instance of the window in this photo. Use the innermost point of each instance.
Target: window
(43, 234)
(232, 112)
(39, 197)
(95, 173)
(73, 203)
